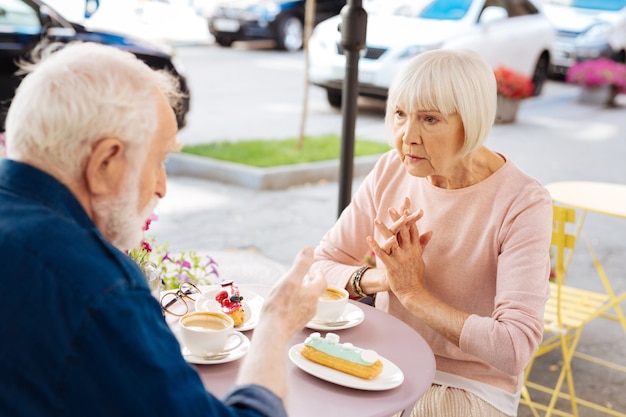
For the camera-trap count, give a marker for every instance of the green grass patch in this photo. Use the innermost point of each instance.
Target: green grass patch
(269, 153)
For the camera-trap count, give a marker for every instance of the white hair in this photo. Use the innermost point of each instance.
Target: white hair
(78, 94)
(456, 81)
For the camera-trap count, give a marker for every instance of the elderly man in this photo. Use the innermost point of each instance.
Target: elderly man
(87, 135)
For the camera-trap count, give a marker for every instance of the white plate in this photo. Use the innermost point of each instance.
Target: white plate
(352, 314)
(233, 355)
(391, 377)
(252, 304)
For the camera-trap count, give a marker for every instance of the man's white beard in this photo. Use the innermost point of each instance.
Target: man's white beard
(118, 219)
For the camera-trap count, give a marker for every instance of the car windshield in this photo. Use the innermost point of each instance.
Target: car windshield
(427, 9)
(17, 17)
(607, 5)
(446, 9)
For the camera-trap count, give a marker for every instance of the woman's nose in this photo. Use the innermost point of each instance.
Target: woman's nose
(411, 133)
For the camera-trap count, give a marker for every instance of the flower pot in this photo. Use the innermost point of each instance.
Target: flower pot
(603, 95)
(506, 111)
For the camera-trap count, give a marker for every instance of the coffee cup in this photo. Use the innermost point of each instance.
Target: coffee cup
(331, 304)
(206, 333)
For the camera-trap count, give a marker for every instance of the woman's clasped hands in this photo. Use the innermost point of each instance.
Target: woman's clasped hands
(402, 250)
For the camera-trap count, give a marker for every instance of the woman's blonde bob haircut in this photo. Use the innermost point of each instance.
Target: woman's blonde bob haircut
(448, 81)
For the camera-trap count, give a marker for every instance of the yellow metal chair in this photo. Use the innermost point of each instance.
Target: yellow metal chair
(568, 310)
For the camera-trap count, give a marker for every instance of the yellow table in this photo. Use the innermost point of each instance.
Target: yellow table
(598, 197)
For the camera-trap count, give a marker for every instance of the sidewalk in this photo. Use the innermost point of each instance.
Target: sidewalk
(554, 139)
(254, 234)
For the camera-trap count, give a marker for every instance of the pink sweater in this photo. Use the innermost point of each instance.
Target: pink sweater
(489, 256)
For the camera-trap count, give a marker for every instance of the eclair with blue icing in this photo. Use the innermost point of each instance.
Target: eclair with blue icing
(344, 357)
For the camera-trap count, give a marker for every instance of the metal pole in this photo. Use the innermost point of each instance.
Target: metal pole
(353, 29)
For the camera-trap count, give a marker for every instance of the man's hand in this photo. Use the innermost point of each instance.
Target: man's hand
(292, 302)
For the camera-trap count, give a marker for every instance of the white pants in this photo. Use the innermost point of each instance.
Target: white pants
(440, 401)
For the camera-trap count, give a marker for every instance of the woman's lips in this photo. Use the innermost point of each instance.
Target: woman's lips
(413, 158)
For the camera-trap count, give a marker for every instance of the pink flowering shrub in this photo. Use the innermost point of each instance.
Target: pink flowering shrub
(512, 84)
(598, 72)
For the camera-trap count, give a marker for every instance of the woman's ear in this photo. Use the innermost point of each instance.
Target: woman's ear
(105, 166)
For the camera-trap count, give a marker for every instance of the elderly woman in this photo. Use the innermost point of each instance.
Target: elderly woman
(461, 236)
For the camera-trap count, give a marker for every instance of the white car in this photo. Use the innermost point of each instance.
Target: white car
(169, 21)
(518, 36)
(586, 30)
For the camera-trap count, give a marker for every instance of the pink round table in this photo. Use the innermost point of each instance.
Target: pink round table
(311, 396)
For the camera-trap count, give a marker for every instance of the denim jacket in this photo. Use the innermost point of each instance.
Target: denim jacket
(81, 333)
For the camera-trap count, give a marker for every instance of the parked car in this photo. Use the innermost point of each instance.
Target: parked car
(24, 23)
(169, 21)
(512, 33)
(281, 21)
(586, 30)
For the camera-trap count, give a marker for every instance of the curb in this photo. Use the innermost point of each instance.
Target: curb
(275, 178)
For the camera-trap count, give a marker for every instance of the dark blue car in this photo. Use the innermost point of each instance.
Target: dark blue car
(24, 23)
(280, 21)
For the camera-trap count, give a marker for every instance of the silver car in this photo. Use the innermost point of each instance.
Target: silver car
(586, 29)
(511, 33)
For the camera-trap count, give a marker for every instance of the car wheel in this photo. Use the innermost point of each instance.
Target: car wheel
(334, 97)
(290, 34)
(224, 41)
(541, 73)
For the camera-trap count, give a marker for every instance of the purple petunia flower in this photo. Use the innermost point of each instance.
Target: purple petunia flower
(184, 263)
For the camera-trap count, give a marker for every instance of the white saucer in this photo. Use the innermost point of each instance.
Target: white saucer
(352, 314)
(251, 304)
(391, 376)
(232, 355)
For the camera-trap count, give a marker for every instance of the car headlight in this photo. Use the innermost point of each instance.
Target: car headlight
(599, 32)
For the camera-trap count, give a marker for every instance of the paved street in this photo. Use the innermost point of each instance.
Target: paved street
(254, 234)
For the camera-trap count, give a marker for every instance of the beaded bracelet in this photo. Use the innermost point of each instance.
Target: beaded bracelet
(355, 281)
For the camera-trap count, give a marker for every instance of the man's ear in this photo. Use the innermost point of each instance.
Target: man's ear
(105, 166)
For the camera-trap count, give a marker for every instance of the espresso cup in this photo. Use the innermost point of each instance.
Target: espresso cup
(331, 304)
(206, 333)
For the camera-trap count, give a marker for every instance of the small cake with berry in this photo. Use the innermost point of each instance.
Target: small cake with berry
(230, 299)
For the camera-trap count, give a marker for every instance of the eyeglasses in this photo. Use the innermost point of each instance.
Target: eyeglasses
(175, 303)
